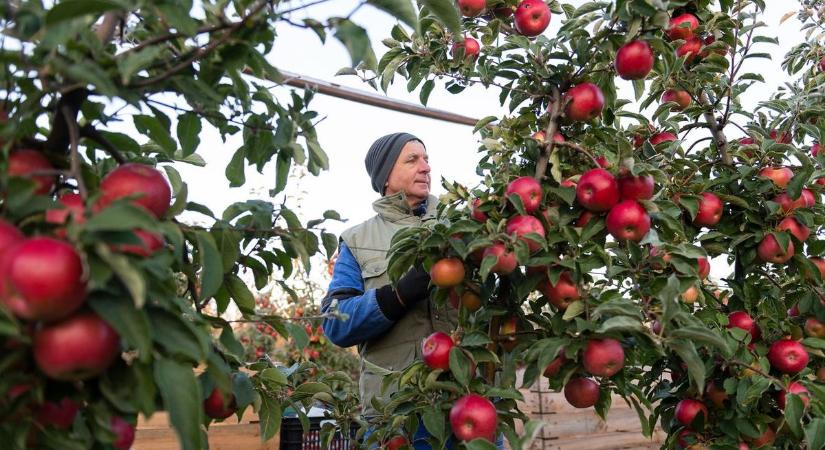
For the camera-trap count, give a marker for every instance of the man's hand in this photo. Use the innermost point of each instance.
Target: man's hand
(411, 289)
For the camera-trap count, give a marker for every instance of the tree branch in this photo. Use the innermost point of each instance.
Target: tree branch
(552, 129)
(74, 160)
(90, 132)
(107, 29)
(581, 150)
(718, 135)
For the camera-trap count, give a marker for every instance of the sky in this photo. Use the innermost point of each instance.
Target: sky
(348, 128)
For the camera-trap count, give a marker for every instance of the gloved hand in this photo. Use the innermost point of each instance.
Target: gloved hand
(410, 289)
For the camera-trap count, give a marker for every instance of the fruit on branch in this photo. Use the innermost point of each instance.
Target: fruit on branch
(780, 176)
(597, 190)
(581, 392)
(814, 328)
(435, 350)
(796, 229)
(532, 17)
(447, 272)
(477, 214)
(603, 357)
(682, 26)
(561, 294)
(528, 190)
(59, 414)
(523, 225)
(690, 295)
(702, 267)
(822, 64)
(506, 261)
(471, 8)
(820, 264)
(628, 221)
(470, 46)
(816, 148)
(664, 136)
(25, 163)
(585, 102)
(9, 236)
(678, 96)
(784, 138)
(634, 60)
(79, 347)
(687, 409)
(770, 251)
(794, 387)
(508, 332)
(503, 12)
(788, 356)
(472, 417)
(716, 394)
(72, 205)
(764, 439)
(124, 433)
(690, 49)
(723, 51)
(219, 407)
(144, 184)
(743, 320)
(42, 279)
(806, 199)
(397, 442)
(710, 210)
(584, 218)
(149, 244)
(554, 367)
(541, 136)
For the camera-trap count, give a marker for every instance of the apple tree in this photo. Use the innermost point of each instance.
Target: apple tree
(113, 280)
(628, 164)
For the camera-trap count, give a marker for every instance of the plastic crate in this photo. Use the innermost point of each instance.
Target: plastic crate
(294, 438)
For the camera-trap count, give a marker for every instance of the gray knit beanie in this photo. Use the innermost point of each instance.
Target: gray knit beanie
(382, 155)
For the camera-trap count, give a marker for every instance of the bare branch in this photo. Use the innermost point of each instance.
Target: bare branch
(556, 108)
(718, 135)
(74, 160)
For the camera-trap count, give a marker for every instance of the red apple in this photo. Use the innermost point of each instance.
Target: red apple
(716, 394)
(435, 350)
(690, 49)
(822, 64)
(690, 295)
(602, 161)
(561, 294)
(794, 387)
(532, 17)
(523, 225)
(585, 102)
(150, 243)
(477, 214)
(687, 409)
(710, 210)
(628, 221)
(678, 96)
(145, 184)
(743, 320)
(541, 135)
(634, 60)
(124, 433)
(702, 268)
(581, 392)
(471, 8)
(682, 26)
(555, 365)
(470, 46)
(528, 189)
(42, 279)
(506, 261)
(765, 438)
(814, 328)
(447, 272)
(584, 218)
(72, 205)
(719, 51)
(664, 136)
(784, 138)
(23, 163)
(568, 183)
(57, 414)
(793, 226)
(77, 348)
(603, 357)
(788, 356)
(219, 407)
(9, 236)
(770, 251)
(820, 264)
(780, 176)
(472, 417)
(597, 190)
(806, 200)
(397, 442)
(503, 12)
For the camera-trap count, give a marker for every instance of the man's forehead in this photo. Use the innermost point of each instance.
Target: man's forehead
(413, 147)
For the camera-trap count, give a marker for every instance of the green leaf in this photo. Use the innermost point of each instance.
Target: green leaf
(460, 366)
(189, 128)
(270, 416)
(157, 131)
(357, 42)
(274, 375)
(480, 444)
(794, 407)
(134, 62)
(177, 335)
(701, 334)
(71, 9)
(126, 273)
(298, 334)
(121, 216)
(815, 434)
(446, 12)
(182, 397)
(573, 310)
(131, 324)
(309, 389)
(426, 89)
(622, 324)
(434, 422)
(211, 276)
(230, 343)
(240, 293)
(696, 368)
(403, 10)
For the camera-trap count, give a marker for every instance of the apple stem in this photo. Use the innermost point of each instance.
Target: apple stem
(718, 134)
(74, 161)
(552, 128)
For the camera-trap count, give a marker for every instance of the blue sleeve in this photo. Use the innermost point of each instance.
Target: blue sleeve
(365, 320)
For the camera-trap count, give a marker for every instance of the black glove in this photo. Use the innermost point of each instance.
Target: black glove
(412, 288)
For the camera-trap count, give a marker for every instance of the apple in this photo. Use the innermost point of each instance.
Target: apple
(686, 436)
(765, 438)
(784, 138)
(702, 268)
(503, 12)
(794, 387)
(72, 205)
(528, 189)
(9, 236)
(603, 357)
(508, 331)
(788, 356)
(22, 163)
(561, 294)
(816, 148)
(541, 136)
(124, 433)
(57, 414)
(687, 409)
(806, 200)
(719, 51)
(820, 264)
(150, 243)
(678, 96)
(79, 347)
(447, 272)
(506, 261)
(597, 190)
(814, 328)
(716, 394)
(682, 26)
(397, 442)
(820, 374)
(584, 219)
(628, 221)
(477, 214)
(568, 183)
(523, 225)
(743, 320)
(555, 365)
(146, 184)
(42, 279)
(532, 17)
(470, 47)
(770, 251)
(471, 8)
(473, 417)
(822, 64)
(585, 102)
(690, 295)
(602, 161)
(710, 210)
(435, 350)
(219, 407)
(796, 229)
(581, 392)
(664, 136)
(779, 175)
(634, 60)
(690, 49)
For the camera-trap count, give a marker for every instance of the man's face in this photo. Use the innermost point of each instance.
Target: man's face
(411, 173)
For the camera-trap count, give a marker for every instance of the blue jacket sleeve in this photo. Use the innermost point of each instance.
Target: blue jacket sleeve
(366, 320)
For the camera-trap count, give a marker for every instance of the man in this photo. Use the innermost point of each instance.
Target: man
(387, 323)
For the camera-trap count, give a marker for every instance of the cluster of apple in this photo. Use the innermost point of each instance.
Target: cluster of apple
(531, 18)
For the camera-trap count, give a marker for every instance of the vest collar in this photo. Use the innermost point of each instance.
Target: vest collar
(395, 207)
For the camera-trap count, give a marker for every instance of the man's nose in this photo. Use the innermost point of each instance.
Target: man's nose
(424, 166)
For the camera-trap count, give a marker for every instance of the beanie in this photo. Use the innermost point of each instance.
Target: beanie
(382, 155)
